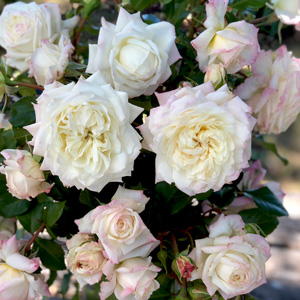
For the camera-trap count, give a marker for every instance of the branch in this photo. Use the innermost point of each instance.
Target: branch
(31, 241)
(29, 85)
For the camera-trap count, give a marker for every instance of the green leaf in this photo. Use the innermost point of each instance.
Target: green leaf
(89, 6)
(176, 12)
(72, 73)
(65, 284)
(266, 200)
(51, 254)
(141, 5)
(230, 17)
(7, 139)
(85, 198)
(246, 4)
(75, 66)
(52, 212)
(9, 205)
(22, 112)
(272, 148)
(257, 216)
(162, 255)
(32, 220)
(146, 105)
(22, 136)
(53, 275)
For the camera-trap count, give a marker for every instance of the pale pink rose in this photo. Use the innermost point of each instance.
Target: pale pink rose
(23, 175)
(7, 227)
(24, 26)
(85, 259)
(288, 12)
(16, 279)
(119, 227)
(134, 57)
(229, 260)
(273, 91)
(234, 45)
(48, 62)
(83, 130)
(133, 279)
(201, 137)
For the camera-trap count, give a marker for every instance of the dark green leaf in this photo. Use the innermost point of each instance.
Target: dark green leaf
(51, 254)
(223, 197)
(257, 216)
(7, 139)
(141, 5)
(176, 12)
(53, 275)
(22, 112)
(143, 104)
(266, 200)
(272, 148)
(65, 284)
(32, 220)
(52, 212)
(246, 4)
(89, 6)
(9, 205)
(22, 136)
(230, 17)
(85, 198)
(71, 73)
(75, 66)
(162, 255)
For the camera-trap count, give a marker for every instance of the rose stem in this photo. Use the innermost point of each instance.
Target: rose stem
(31, 241)
(76, 39)
(29, 85)
(258, 20)
(174, 244)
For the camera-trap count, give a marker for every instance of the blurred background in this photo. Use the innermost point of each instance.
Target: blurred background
(283, 268)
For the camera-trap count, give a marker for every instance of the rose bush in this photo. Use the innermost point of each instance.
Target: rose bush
(23, 27)
(133, 56)
(83, 131)
(201, 137)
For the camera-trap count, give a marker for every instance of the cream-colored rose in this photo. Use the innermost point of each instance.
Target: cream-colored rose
(288, 12)
(273, 91)
(17, 281)
(48, 62)
(201, 137)
(133, 279)
(85, 259)
(229, 260)
(23, 27)
(216, 74)
(234, 45)
(134, 57)
(84, 132)
(119, 226)
(23, 175)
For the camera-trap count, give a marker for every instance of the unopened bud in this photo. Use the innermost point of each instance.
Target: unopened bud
(183, 266)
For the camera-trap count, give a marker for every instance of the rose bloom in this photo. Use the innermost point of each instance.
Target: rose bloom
(252, 179)
(229, 260)
(48, 63)
(216, 74)
(7, 227)
(23, 27)
(85, 259)
(234, 45)
(133, 279)
(16, 279)
(83, 131)
(288, 12)
(23, 175)
(119, 227)
(273, 91)
(201, 137)
(133, 56)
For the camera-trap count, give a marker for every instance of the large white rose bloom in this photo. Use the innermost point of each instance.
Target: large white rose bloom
(133, 56)
(83, 131)
(23, 27)
(202, 137)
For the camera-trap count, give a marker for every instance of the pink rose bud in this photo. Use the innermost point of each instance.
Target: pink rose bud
(183, 266)
(23, 175)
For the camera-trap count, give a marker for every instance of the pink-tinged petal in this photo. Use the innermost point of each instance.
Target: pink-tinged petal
(215, 11)
(107, 287)
(23, 263)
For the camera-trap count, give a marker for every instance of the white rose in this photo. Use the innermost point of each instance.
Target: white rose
(119, 227)
(288, 12)
(85, 259)
(216, 74)
(23, 175)
(273, 91)
(17, 281)
(83, 131)
(229, 260)
(23, 27)
(48, 63)
(133, 279)
(234, 45)
(201, 137)
(133, 56)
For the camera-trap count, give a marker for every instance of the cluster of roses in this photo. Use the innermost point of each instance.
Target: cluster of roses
(201, 136)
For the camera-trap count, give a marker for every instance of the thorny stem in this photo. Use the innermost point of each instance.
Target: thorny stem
(29, 85)
(31, 241)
